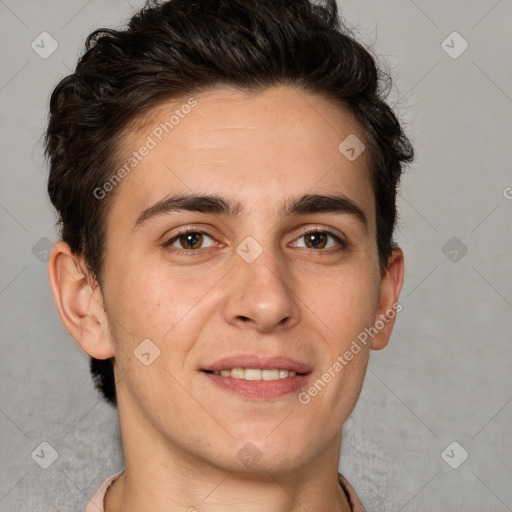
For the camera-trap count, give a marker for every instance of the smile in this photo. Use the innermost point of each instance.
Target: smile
(257, 384)
(255, 373)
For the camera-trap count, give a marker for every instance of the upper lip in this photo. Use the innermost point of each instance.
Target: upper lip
(258, 361)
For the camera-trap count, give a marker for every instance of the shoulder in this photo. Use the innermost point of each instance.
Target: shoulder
(96, 504)
(355, 503)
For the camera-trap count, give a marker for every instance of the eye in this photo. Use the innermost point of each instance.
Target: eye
(319, 239)
(189, 240)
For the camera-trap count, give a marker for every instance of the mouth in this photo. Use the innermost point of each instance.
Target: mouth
(258, 378)
(255, 374)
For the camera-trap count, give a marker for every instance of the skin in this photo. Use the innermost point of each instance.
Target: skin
(181, 434)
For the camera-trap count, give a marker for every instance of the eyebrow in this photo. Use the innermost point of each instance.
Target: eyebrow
(213, 203)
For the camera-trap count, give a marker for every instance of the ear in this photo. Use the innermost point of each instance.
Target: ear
(390, 287)
(79, 302)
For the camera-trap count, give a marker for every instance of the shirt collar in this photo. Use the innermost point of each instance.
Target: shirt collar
(97, 502)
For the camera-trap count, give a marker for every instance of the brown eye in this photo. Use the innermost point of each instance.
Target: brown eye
(188, 241)
(191, 240)
(320, 240)
(316, 240)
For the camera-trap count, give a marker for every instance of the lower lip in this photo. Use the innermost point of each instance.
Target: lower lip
(259, 389)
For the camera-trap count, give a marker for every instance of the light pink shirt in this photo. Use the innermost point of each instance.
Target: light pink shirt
(97, 502)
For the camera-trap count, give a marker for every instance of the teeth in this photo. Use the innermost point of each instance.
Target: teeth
(256, 373)
(252, 374)
(270, 374)
(238, 373)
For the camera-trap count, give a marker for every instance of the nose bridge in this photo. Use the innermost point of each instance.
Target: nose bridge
(261, 285)
(262, 262)
(262, 266)
(259, 251)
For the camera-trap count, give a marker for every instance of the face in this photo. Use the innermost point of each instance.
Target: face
(255, 277)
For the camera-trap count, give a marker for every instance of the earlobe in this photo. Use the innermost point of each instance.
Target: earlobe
(389, 305)
(79, 302)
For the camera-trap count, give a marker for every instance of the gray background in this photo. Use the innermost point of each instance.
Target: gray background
(444, 377)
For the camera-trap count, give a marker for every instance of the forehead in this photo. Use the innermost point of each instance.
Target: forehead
(257, 147)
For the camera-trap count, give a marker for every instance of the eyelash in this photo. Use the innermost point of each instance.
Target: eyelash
(196, 252)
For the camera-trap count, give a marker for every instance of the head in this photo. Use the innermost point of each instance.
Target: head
(247, 105)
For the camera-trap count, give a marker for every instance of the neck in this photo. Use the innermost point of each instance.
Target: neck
(248, 495)
(162, 476)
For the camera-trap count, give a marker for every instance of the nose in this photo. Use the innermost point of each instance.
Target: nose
(261, 294)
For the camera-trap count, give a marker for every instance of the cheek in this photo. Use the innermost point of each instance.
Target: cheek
(163, 306)
(346, 307)
(149, 299)
(154, 318)
(344, 300)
